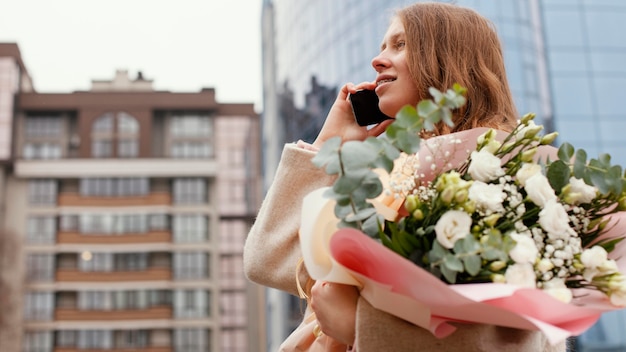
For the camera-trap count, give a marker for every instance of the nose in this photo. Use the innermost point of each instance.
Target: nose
(380, 62)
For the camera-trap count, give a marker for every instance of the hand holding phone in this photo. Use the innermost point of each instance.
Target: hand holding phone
(365, 108)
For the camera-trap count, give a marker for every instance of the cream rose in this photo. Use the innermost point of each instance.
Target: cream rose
(452, 226)
(557, 289)
(554, 220)
(521, 275)
(487, 196)
(485, 166)
(525, 250)
(584, 192)
(526, 171)
(539, 190)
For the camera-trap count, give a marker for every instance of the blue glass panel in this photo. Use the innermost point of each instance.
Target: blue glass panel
(609, 92)
(563, 28)
(602, 29)
(571, 95)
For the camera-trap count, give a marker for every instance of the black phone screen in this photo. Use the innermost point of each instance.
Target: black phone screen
(365, 108)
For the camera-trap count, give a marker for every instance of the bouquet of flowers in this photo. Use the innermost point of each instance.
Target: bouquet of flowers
(476, 207)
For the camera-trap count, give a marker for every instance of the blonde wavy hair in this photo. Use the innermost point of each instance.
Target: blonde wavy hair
(449, 44)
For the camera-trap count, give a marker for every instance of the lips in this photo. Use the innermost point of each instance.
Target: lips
(383, 81)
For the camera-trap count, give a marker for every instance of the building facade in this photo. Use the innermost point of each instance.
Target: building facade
(131, 207)
(564, 61)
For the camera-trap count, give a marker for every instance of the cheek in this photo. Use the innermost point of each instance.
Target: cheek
(391, 102)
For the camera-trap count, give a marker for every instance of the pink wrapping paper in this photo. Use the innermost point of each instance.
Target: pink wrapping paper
(397, 286)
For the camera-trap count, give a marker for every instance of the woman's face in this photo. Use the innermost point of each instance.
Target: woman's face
(394, 86)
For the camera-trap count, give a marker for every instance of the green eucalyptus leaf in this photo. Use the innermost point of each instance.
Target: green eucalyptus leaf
(360, 215)
(328, 152)
(473, 264)
(566, 152)
(558, 175)
(452, 262)
(357, 155)
(449, 275)
(580, 164)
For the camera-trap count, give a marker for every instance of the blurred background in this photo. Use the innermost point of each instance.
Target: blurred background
(137, 139)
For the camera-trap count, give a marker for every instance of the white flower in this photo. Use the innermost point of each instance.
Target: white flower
(525, 250)
(452, 226)
(584, 192)
(539, 190)
(557, 289)
(554, 220)
(487, 196)
(521, 275)
(593, 257)
(484, 166)
(526, 171)
(528, 131)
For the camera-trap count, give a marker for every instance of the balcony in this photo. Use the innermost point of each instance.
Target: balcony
(75, 275)
(72, 314)
(131, 238)
(73, 199)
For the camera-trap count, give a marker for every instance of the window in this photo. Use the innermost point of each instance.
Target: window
(190, 265)
(115, 129)
(114, 187)
(130, 339)
(192, 126)
(189, 228)
(191, 303)
(41, 230)
(158, 222)
(191, 340)
(37, 341)
(66, 338)
(95, 300)
(131, 261)
(42, 192)
(102, 224)
(191, 136)
(42, 151)
(96, 339)
(43, 126)
(95, 262)
(190, 191)
(38, 306)
(40, 267)
(191, 150)
(124, 300)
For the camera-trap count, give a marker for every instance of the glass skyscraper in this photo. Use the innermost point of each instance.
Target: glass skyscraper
(565, 62)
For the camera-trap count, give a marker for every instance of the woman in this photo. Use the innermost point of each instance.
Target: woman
(426, 45)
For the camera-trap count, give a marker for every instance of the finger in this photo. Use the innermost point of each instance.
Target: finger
(366, 85)
(380, 128)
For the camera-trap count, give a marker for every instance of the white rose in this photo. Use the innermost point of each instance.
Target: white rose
(452, 226)
(485, 166)
(585, 193)
(487, 196)
(525, 250)
(526, 171)
(530, 130)
(539, 190)
(557, 289)
(554, 220)
(593, 257)
(521, 275)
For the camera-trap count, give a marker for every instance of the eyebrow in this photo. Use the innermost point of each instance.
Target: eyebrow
(392, 39)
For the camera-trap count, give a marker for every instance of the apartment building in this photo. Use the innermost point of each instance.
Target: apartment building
(126, 209)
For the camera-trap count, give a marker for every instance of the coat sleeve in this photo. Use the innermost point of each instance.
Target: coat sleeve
(272, 249)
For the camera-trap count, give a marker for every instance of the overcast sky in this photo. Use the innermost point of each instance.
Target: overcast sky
(182, 45)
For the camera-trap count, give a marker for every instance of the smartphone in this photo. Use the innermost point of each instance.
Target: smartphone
(365, 108)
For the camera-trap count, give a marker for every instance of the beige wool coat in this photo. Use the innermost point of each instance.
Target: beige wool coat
(272, 252)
